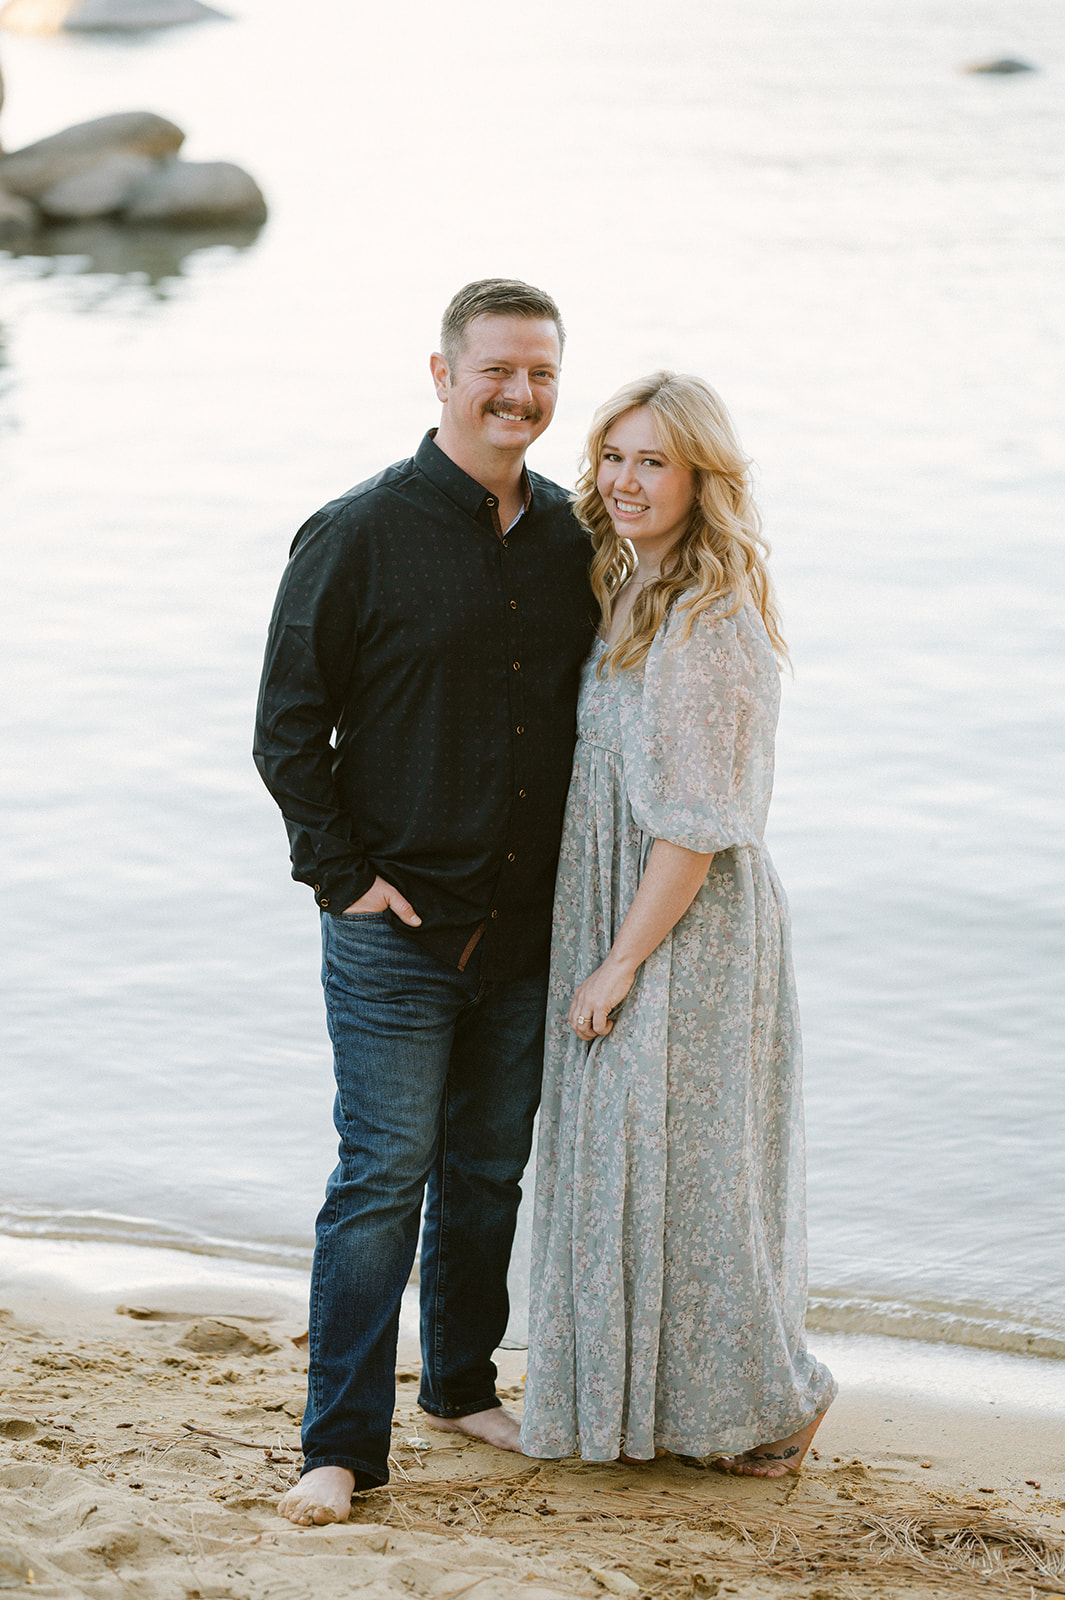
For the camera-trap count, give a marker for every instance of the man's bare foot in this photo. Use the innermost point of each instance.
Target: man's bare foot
(322, 1495)
(494, 1426)
(774, 1460)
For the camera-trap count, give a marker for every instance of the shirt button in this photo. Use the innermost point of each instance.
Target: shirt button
(516, 665)
(513, 605)
(505, 545)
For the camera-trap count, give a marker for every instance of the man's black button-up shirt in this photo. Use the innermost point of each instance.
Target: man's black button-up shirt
(446, 660)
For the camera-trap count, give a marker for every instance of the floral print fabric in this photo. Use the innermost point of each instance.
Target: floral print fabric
(669, 1238)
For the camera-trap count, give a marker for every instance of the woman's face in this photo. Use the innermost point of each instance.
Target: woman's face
(648, 496)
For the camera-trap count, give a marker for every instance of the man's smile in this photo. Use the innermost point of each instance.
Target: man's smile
(514, 416)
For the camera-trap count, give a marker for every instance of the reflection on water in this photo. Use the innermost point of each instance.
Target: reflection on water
(151, 256)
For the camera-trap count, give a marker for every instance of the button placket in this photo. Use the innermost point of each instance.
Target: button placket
(516, 696)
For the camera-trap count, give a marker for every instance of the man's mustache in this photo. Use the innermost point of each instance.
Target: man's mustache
(526, 413)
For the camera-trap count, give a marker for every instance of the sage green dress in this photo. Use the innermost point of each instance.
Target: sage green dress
(669, 1238)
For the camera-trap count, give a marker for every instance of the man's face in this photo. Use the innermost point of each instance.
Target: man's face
(502, 391)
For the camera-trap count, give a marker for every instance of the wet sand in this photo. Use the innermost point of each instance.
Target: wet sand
(143, 1451)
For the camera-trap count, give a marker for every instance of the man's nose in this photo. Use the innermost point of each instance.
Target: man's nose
(519, 388)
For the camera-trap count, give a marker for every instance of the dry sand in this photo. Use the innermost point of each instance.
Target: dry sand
(142, 1456)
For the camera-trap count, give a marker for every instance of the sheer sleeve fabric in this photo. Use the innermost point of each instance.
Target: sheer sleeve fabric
(697, 741)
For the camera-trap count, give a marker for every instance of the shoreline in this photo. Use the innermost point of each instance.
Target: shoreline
(148, 1425)
(94, 1268)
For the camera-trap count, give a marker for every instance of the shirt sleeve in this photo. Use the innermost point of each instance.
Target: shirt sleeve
(309, 654)
(686, 739)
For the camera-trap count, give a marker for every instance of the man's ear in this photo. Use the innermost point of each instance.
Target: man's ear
(438, 368)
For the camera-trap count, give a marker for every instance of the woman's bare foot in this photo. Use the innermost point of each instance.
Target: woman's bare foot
(322, 1495)
(494, 1426)
(774, 1460)
(640, 1461)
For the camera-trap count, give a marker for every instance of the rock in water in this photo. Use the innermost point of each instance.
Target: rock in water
(99, 191)
(37, 167)
(191, 193)
(1002, 68)
(82, 16)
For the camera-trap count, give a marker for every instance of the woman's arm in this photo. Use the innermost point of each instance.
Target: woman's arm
(671, 880)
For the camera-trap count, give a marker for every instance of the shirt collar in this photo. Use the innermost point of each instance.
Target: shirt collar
(471, 496)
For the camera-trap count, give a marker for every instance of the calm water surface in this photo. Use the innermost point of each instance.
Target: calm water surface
(813, 207)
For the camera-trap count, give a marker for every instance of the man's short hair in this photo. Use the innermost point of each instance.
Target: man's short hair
(496, 297)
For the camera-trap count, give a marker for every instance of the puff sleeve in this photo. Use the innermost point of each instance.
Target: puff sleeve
(697, 742)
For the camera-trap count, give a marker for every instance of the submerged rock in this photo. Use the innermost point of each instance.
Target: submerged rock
(83, 16)
(153, 253)
(18, 219)
(1001, 68)
(36, 168)
(194, 193)
(99, 191)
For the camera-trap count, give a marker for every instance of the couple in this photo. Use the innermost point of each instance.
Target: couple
(437, 632)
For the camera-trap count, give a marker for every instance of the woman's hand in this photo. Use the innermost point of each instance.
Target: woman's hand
(598, 995)
(671, 880)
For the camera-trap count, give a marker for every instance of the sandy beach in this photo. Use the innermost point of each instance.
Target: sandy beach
(143, 1448)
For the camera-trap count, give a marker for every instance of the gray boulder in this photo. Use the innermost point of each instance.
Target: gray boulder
(83, 16)
(38, 167)
(18, 219)
(99, 191)
(1002, 68)
(195, 193)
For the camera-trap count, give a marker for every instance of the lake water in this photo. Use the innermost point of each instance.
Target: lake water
(861, 246)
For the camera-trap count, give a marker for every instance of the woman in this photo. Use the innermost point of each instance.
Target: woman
(669, 1251)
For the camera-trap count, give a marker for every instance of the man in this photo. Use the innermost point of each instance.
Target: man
(435, 619)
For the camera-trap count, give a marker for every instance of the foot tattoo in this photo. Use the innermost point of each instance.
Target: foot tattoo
(774, 1460)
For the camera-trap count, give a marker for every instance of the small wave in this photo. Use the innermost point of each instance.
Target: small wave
(104, 1227)
(978, 1327)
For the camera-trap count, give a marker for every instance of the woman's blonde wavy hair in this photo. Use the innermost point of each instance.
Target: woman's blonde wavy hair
(721, 553)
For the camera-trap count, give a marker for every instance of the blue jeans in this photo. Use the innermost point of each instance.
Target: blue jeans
(438, 1079)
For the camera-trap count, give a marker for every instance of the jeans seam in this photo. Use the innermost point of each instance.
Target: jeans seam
(314, 1376)
(439, 1287)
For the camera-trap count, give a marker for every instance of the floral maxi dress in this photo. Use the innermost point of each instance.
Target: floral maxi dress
(669, 1237)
